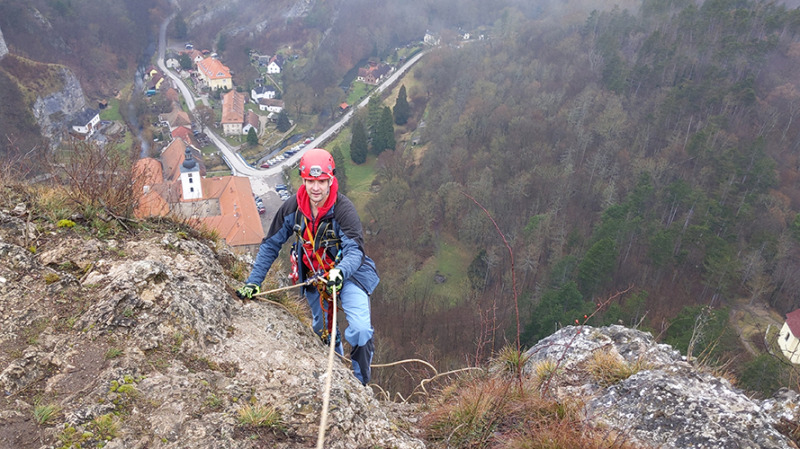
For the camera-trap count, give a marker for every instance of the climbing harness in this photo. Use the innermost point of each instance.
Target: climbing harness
(320, 250)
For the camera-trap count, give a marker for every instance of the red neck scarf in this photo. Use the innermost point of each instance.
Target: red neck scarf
(304, 202)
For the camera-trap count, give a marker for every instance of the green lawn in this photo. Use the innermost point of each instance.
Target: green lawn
(450, 263)
(358, 91)
(111, 112)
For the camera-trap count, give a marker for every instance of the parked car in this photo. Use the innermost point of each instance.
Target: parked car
(261, 210)
(309, 140)
(281, 187)
(266, 165)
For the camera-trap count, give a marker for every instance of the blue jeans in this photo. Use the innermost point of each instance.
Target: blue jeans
(355, 303)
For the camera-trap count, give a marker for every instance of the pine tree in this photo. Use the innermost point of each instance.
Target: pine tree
(383, 137)
(252, 137)
(341, 174)
(283, 121)
(401, 108)
(358, 143)
(374, 110)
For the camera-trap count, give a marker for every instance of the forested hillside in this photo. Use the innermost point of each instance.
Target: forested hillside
(653, 152)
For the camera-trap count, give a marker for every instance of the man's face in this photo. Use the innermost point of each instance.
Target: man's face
(318, 190)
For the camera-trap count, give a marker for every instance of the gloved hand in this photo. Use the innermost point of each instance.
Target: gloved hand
(247, 291)
(335, 280)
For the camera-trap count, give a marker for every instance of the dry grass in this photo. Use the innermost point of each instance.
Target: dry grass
(496, 412)
(608, 368)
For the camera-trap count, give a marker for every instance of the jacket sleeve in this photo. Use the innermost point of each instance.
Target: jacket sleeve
(349, 223)
(279, 232)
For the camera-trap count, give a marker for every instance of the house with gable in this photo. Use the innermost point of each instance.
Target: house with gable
(85, 123)
(251, 121)
(374, 73)
(257, 93)
(232, 113)
(215, 74)
(271, 105)
(275, 65)
(431, 38)
(176, 186)
(789, 337)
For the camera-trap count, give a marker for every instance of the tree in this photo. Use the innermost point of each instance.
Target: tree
(222, 43)
(185, 61)
(358, 143)
(374, 111)
(383, 135)
(341, 173)
(283, 121)
(401, 108)
(252, 137)
(205, 115)
(181, 30)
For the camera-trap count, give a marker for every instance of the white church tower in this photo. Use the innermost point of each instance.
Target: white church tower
(190, 178)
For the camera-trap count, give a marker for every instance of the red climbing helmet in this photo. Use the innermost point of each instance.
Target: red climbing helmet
(317, 163)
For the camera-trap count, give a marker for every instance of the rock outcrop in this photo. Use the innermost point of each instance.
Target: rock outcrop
(3, 46)
(147, 332)
(55, 110)
(668, 402)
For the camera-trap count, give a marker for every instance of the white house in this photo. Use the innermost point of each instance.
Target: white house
(275, 65)
(86, 122)
(267, 92)
(431, 38)
(270, 105)
(788, 339)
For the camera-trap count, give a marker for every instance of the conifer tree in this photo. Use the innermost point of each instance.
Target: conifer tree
(252, 137)
(383, 136)
(358, 143)
(283, 121)
(341, 174)
(401, 108)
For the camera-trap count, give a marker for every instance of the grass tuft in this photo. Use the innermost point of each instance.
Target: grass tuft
(608, 368)
(43, 414)
(258, 415)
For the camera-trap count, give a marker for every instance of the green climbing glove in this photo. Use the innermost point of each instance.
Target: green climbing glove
(335, 280)
(248, 291)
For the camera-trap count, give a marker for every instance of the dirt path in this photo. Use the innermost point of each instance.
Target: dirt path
(750, 323)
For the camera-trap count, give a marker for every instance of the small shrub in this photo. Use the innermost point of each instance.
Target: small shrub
(105, 427)
(64, 223)
(260, 416)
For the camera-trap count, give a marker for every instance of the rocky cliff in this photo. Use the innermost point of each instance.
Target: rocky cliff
(147, 332)
(136, 341)
(667, 402)
(3, 46)
(55, 110)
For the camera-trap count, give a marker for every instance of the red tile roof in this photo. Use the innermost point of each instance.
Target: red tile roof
(793, 320)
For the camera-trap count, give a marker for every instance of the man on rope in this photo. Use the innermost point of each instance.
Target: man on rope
(330, 248)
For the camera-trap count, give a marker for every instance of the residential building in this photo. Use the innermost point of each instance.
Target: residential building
(251, 121)
(215, 74)
(260, 92)
(789, 337)
(273, 105)
(232, 113)
(275, 65)
(374, 73)
(85, 123)
(176, 186)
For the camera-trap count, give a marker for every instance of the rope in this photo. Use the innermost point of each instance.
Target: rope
(326, 395)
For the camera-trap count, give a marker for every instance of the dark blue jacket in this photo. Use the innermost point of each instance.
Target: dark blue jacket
(354, 263)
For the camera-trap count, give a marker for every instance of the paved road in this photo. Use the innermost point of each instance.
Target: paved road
(262, 180)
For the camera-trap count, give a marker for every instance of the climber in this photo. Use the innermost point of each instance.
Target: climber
(329, 251)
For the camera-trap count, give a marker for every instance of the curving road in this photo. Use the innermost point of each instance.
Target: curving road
(261, 180)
